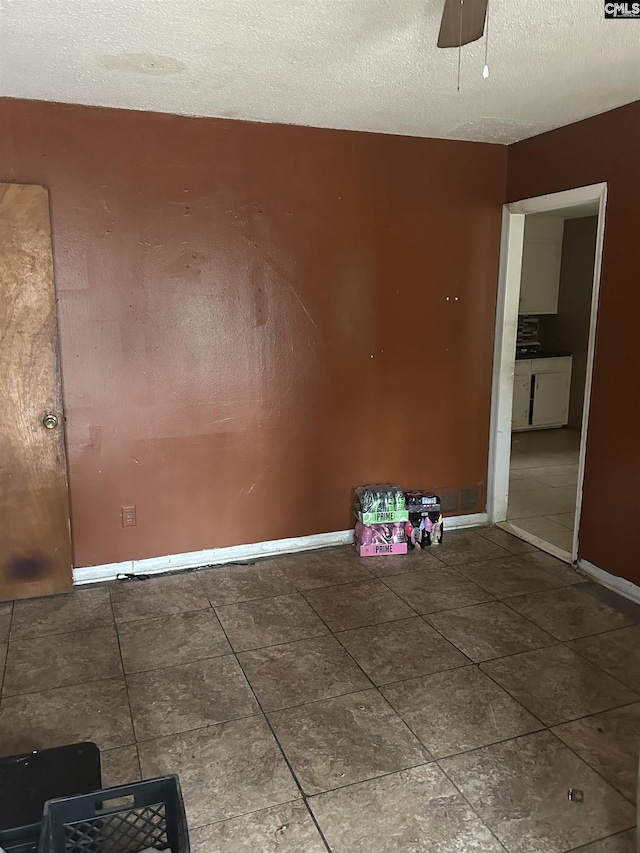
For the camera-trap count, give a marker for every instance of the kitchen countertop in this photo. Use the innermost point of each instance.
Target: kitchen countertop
(544, 354)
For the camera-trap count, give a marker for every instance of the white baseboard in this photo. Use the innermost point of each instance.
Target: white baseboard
(532, 539)
(236, 553)
(613, 582)
(210, 556)
(456, 522)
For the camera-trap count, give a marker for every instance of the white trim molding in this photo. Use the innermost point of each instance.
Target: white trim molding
(593, 197)
(237, 553)
(504, 354)
(532, 539)
(562, 200)
(613, 582)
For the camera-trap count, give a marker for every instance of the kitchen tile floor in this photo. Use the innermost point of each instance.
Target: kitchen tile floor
(543, 484)
(444, 701)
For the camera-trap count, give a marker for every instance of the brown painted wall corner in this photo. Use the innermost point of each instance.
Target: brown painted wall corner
(603, 148)
(256, 318)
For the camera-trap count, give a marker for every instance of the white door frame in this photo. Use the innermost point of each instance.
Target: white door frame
(512, 240)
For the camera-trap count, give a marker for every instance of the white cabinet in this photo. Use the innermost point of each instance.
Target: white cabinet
(541, 257)
(521, 402)
(551, 399)
(541, 389)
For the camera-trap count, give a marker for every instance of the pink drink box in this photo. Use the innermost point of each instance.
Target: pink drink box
(372, 540)
(380, 550)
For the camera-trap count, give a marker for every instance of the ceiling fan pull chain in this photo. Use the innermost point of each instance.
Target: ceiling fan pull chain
(485, 70)
(460, 42)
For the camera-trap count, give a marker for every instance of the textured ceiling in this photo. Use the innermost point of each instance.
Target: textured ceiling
(358, 64)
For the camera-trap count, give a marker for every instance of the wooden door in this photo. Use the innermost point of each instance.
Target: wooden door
(35, 538)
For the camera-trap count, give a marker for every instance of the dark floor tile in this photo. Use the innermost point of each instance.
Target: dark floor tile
(505, 540)
(617, 652)
(629, 608)
(256, 624)
(42, 663)
(98, 712)
(339, 741)
(316, 569)
(439, 588)
(458, 710)
(608, 742)
(558, 685)
(170, 640)
(625, 842)
(416, 810)
(281, 829)
(60, 614)
(300, 672)
(467, 546)
(6, 609)
(3, 658)
(491, 630)
(225, 770)
(516, 575)
(233, 584)
(189, 696)
(402, 564)
(569, 613)
(158, 596)
(519, 788)
(402, 649)
(357, 604)
(558, 569)
(120, 766)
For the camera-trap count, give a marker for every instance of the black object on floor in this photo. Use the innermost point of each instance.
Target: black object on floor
(126, 819)
(28, 781)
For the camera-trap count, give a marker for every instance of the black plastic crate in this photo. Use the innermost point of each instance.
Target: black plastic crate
(126, 819)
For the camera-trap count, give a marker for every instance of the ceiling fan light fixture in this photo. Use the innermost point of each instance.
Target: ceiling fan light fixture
(463, 22)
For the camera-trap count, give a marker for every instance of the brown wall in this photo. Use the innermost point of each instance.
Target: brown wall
(604, 148)
(255, 318)
(569, 329)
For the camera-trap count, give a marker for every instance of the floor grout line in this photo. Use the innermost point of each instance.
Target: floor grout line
(468, 802)
(600, 840)
(588, 763)
(126, 689)
(282, 752)
(6, 657)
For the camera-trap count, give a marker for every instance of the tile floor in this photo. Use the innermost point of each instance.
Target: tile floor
(445, 701)
(543, 484)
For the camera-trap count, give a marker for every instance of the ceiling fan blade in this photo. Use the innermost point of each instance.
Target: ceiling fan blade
(473, 17)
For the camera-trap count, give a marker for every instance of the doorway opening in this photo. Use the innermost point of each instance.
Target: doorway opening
(543, 361)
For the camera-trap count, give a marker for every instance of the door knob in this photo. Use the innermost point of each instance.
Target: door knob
(50, 421)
